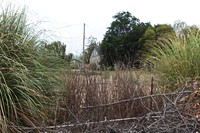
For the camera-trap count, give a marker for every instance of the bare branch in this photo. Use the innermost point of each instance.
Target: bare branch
(137, 98)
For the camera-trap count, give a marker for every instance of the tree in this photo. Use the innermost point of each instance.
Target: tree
(179, 26)
(54, 55)
(57, 48)
(149, 34)
(122, 40)
(163, 29)
(153, 34)
(69, 57)
(122, 24)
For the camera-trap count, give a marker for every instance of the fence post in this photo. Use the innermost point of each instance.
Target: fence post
(151, 93)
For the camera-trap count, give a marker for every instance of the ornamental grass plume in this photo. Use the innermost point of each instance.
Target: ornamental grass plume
(22, 75)
(176, 58)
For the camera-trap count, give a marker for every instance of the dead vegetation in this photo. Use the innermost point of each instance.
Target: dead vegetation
(123, 103)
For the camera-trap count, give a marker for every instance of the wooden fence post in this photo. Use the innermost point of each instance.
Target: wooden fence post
(151, 93)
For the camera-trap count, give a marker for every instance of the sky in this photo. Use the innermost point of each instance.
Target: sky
(63, 19)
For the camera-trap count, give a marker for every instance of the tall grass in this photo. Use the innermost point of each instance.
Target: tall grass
(89, 89)
(176, 59)
(24, 80)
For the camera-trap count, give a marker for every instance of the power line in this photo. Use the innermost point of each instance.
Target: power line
(67, 26)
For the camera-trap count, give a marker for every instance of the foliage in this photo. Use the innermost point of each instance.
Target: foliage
(178, 26)
(152, 35)
(69, 57)
(25, 79)
(162, 29)
(57, 48)
(176, 59)
(122, 40)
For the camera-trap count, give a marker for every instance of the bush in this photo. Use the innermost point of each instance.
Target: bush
(176, 58)
(25, 80)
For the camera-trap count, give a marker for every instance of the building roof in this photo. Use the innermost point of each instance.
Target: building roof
(98, 49)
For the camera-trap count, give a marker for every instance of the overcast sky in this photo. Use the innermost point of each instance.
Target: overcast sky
(63, 19)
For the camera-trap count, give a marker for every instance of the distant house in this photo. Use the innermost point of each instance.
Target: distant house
(95, 57)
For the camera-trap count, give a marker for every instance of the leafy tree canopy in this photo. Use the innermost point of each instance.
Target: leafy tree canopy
(179, 26)
(153, 34)
(55, 53)
(57, 48)
(122, 40)
(159, 30)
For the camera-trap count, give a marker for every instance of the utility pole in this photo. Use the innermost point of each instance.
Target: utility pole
(83, 44)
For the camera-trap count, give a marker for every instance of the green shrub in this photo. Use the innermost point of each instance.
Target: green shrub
(177, 58)
(25, 79)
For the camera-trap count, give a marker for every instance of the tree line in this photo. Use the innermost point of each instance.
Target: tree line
(128, 40)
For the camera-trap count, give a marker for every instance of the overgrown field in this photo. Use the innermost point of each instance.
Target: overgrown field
(124, 101)
(40, 93)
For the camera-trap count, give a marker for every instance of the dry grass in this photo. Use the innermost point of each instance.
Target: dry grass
(123, 102)
(85, 89)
